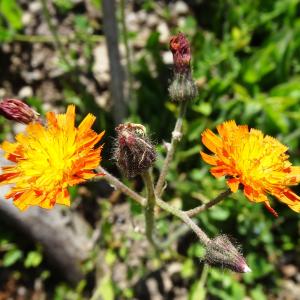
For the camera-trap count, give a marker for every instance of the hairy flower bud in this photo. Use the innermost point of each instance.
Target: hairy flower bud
(220, 252)
(17, 110)
(134, 153)
(183, 87)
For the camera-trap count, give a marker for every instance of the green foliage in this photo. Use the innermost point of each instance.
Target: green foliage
(12, 256)
(246, 59)
(246, 56)
(10, 19)
(64, 5)
(33, 259)
(12, 13)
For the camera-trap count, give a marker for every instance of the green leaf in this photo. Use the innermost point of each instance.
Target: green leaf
(258, 293)
(106, 289)
(197, 292)
(33, 259)
(12, 12)
(219, 213)
(187, 270)
(11, 257)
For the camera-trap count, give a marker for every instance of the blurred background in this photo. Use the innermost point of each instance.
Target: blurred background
(111, 58)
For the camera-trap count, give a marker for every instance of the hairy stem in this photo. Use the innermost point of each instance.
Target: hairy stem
(203, 207)
(149, 208)
(202, 282)
(186, 219)
(176, 137)
(122, 187)
(162, 204)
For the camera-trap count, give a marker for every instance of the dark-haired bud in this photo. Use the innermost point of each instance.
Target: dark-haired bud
(134, 152)
(17, 110)
(220, 252)
(183, 87)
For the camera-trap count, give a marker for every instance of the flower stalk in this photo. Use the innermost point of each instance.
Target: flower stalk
(122, 187)
(151, 204)
(194, 211)
(176, 137)
(149, 207)
(230, 258)
(204, 239)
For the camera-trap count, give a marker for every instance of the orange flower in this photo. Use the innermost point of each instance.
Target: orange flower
(258, 162)
(48, 159)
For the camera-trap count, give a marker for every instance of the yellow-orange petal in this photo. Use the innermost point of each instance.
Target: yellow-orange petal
(287, 196)
(8, 177)
(233, 184)
(220, 171)
(9, 147)
(86, 123)
(211, 141)
(212, 160)
(254, 195)
(271, 209)
(226, 127)
(294, 171)
(51, 119)
(295, 207)
(63, 197)
(256, 161)
(50, 158)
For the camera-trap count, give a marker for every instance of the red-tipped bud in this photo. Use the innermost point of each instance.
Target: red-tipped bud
(17, 110)
(181, 50)
(220, 252)
(134, 153)
(183, 87)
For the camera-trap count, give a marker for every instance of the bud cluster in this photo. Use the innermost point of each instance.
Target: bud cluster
(134, 152)
(183, 87)
(220, 252)
(17, 110)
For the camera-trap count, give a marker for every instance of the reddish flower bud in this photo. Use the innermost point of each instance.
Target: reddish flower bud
(134, 153)
(17, 110)
(180, 47)
(220, 252)
(183, 87)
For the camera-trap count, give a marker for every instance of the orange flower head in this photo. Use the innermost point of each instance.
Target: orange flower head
(259, 163)
(47, 159)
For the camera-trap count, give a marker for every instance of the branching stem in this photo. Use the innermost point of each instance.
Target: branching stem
(122, 187)
(176, 137)
(149, 208)
(203, 207)
(162, 204)
(186, 219)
